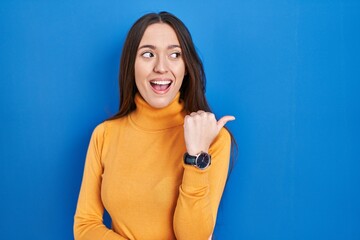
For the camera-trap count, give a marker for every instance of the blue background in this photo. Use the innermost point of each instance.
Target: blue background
(288, 70)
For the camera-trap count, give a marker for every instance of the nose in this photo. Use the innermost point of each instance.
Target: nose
(160, 65)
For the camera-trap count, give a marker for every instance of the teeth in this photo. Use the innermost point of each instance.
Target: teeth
(162, 82)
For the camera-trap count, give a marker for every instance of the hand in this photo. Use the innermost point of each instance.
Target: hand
(200, 130)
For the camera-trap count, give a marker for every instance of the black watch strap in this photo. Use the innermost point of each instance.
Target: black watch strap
(189, 159)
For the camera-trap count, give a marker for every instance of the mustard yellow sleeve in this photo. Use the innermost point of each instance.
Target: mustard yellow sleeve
(200, 193)
(88, 220)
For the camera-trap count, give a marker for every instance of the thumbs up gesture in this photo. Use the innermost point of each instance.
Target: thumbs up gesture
(200, 130)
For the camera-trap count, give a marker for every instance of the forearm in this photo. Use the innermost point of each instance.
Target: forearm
(88, 220)
(194, 217)
(200, 193)
(85, 229)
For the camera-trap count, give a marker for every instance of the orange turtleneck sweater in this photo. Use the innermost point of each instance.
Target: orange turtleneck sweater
(134, 169)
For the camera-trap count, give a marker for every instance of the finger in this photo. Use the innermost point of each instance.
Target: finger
(196, 113)
(222, 121)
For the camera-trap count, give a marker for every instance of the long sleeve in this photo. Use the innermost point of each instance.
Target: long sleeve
(200, 193)
(88, 220)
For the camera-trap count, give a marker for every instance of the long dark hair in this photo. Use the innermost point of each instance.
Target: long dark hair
(192, 91)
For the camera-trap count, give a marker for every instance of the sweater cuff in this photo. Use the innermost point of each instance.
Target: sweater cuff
(111, 235)
(195, 178)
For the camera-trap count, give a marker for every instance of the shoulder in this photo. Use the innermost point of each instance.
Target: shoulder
(103, 128)
(109, 127)
(102, 132)
(98, 132)
(222, 141)
(223, 136)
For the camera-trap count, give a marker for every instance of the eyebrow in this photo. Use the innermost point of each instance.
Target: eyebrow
(153, 47)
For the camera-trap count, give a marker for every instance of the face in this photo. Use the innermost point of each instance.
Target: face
(159, 66)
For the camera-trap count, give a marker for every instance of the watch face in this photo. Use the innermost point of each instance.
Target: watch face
(203, 161)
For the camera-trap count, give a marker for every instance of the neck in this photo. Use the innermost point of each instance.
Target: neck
(150, 118)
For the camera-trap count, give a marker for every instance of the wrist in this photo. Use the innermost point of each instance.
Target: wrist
(195, 152)
(201, 160)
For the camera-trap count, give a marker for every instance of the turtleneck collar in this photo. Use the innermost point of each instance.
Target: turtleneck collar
(154, 119)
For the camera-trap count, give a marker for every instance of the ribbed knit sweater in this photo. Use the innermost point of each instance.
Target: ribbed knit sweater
(134, 169)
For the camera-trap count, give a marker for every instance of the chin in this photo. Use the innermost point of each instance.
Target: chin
(159, 103)
(156, 100)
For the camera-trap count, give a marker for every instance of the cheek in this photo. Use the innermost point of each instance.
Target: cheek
(140, 72)
(180, 70)
(179, 79)
(138, 76)
(142, 69)
(137, 69)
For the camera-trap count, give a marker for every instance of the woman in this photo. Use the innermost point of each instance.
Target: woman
(159, 166)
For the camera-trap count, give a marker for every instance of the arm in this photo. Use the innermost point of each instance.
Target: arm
(201, 190)
(88, 220)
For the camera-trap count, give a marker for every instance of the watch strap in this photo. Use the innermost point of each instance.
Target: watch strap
(189, 159)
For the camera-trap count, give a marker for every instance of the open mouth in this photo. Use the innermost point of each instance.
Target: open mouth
(160, 86)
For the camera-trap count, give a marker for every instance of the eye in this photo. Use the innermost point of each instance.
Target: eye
(175, 55)
(147, 54)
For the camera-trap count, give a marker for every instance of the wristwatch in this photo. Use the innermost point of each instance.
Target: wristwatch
(201, 160)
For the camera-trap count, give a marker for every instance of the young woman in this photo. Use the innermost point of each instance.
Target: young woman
(159, 166)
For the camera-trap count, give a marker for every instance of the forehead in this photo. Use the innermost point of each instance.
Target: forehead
(159, 34)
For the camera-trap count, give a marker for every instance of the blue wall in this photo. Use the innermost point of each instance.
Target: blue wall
(288, 70)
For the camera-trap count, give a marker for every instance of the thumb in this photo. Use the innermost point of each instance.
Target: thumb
(222, 121)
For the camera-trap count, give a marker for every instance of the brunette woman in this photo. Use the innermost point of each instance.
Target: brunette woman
(159, 166)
